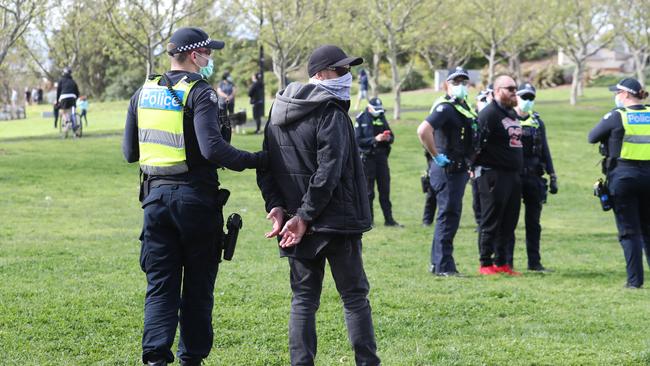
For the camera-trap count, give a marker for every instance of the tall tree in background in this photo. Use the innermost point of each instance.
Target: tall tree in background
(145, 26)
(395, 25)
(493, 23)
(15, 18)
(632, 22)
(582, 34)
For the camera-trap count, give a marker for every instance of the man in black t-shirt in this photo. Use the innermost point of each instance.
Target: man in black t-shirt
(497, 169)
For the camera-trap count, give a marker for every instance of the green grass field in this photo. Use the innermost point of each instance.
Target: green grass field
(71, 291)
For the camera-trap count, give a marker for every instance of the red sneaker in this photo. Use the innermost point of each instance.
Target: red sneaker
(487, 270)
(507, 270)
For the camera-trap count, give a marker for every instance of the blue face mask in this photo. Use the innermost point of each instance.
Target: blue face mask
(618, 102)
(526, 105)
(459, 91)
(208, 69)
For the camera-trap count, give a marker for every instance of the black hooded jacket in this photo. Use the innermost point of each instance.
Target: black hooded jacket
(314, 167)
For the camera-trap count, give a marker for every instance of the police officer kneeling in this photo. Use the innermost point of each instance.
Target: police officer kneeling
(625, 134)
(173, 132)
(374, 138)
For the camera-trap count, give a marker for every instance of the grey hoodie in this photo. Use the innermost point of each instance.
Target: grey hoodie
(297, 101)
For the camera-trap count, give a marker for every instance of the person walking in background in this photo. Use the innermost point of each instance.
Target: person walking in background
(363, 88)
(624, 134)
(28, 96)
(374, 137)
(227, 91)
(83, 109)
(256, 94)
(315, 182)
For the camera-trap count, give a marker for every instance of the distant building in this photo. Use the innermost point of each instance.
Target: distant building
(614, 60)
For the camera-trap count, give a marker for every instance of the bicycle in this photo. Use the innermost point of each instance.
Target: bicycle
(66, 124)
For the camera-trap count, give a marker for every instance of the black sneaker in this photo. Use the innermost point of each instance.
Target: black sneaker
(449, 274)
(539, 268)
(157, 363)
(632, 287)
(393, 223)
(426, 223)
(432, 269)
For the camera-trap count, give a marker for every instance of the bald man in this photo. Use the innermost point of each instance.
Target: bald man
(497, 169)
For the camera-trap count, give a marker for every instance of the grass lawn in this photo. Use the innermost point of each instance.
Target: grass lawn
(72, 292)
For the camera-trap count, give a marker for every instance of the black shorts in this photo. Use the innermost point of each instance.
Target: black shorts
(67, 103)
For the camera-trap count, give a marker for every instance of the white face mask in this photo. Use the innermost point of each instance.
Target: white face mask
(618, 102)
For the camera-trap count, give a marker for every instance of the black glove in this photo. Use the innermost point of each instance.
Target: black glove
(553, 185)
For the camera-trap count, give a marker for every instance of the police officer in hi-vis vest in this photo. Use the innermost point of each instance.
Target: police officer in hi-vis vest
(537, 161)
(447, 134)
(624, 134)
(172, 130)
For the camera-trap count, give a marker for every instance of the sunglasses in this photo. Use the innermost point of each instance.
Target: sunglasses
(340, 70)
(527, 97)
(511, 89)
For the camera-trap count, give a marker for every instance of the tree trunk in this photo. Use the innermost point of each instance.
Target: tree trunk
(575, 83)
(491, 64)
(639, 65)
(395, 83)
(514, 65)
(374, 74)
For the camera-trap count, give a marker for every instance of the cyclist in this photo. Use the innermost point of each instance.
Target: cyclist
(66, 95)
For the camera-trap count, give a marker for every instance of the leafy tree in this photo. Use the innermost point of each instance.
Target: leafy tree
(15, 18)
(632, 22)
(581, 34)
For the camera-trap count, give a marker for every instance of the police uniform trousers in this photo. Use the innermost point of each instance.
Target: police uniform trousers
(500, 195)
(476, 202)
(629, 185)
(343, 252)
(533, 193)
(180, 256)
(375, 166)
(449, 189)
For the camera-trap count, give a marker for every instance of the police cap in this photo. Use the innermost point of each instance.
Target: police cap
(629, 85)
(191, 38)
(457, 72)
(526, 88)
(376, 104)
(330, 56)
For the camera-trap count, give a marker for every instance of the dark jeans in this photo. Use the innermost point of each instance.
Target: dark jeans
(449, 189)
(258, 113)
(533, 192)
(629, 186)
(180, 257)
(376, 168)
(500, 194)
(306, 275)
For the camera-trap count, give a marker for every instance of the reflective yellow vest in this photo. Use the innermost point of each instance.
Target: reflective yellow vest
(636, 141)
(160, 128)
(469, 113)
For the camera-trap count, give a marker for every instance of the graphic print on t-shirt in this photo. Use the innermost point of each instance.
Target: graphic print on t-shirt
(513, 128)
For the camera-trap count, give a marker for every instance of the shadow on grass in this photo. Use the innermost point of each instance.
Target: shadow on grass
(86, 135)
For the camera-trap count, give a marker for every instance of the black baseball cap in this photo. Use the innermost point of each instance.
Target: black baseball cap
(526, 88)
(190, 38)
(329, 56)
(457, 72)
(629, 85)
(376, 104)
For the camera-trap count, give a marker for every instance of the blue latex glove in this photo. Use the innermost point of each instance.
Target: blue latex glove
(441, 160)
